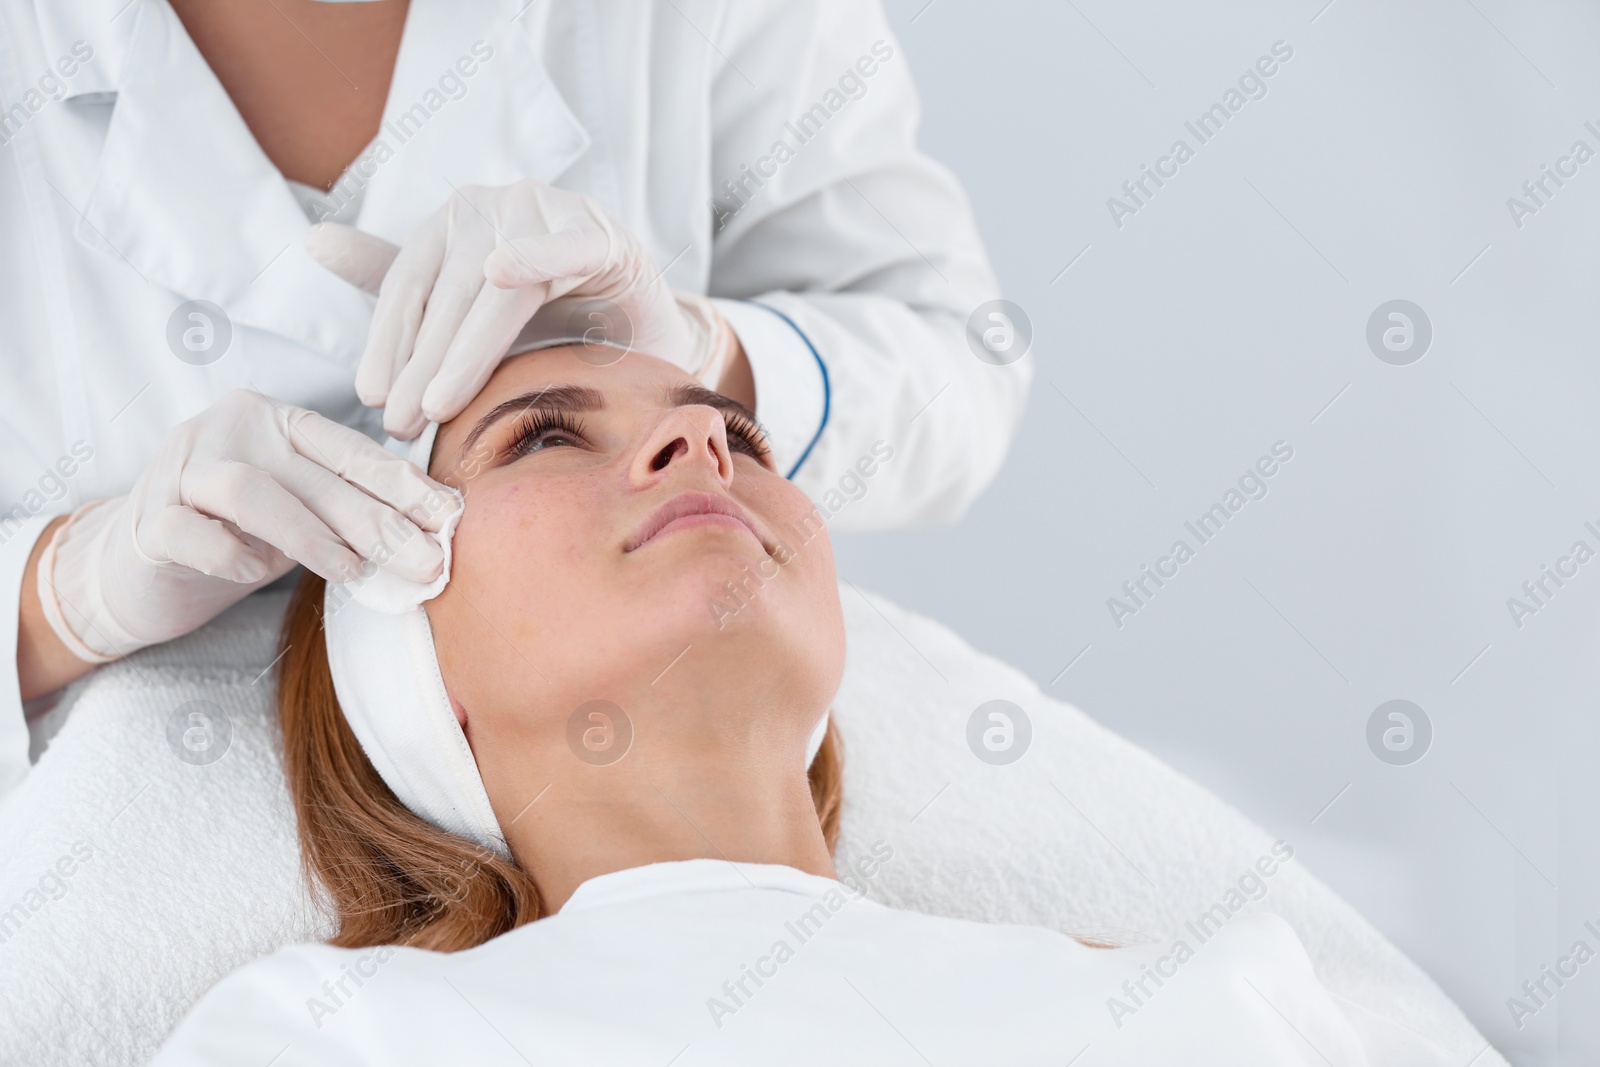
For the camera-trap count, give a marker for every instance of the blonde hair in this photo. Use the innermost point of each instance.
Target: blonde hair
(388, 876)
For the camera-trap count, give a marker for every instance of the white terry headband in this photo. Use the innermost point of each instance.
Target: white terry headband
(386, 675)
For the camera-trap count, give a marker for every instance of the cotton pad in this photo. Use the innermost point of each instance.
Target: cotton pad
(387, 592)
(386, 675)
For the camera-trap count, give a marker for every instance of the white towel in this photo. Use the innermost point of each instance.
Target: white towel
(193, 869)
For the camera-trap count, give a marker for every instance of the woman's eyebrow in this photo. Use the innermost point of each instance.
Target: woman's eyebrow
(562, 398)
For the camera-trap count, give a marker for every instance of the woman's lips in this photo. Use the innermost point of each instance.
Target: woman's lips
(689, 510)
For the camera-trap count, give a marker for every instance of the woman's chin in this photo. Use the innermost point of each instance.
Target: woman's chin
(717, 589)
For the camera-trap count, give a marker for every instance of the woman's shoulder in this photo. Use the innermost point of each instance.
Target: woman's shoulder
(300, 965)
(1248, 985)
(1259, 936)
(281, 999)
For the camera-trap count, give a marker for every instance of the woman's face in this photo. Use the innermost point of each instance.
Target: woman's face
(626, 538)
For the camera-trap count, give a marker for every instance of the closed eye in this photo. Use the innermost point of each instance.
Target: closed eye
(745, 434)
(541, 428)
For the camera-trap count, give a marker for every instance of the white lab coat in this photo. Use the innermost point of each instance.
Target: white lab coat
(129, 185)
(708, 962)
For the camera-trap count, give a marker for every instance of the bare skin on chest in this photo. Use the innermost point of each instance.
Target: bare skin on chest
(309, 78)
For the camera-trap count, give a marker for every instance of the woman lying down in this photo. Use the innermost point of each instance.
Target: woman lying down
(572, 813)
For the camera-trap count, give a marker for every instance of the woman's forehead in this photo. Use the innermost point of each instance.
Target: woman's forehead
(619, 374)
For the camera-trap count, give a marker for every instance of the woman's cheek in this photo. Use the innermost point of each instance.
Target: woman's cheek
(799, 524)
(481, 548)
(531, 537)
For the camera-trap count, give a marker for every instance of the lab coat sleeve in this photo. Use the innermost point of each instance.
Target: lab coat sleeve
(866, 261)
(14, 553)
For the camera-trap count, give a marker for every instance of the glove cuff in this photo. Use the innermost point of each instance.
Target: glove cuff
(710, 334)
(51, 601)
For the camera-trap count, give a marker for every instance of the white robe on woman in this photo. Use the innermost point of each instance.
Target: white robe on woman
(711, 962)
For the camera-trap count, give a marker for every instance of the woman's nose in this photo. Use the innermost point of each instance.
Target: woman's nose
(695, 435)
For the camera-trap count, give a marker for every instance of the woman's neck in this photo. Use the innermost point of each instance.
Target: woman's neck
(595, 822)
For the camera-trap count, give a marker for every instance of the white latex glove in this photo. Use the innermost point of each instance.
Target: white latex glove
(235, 497)
(468, 284)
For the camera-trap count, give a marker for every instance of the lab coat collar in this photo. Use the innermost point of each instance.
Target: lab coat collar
(695, 876)
(446, 128)
(187, 198)
(103, 25)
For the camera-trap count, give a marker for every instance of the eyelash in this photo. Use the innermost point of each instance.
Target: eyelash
(744, 434)
(532, 426)
(748, 432)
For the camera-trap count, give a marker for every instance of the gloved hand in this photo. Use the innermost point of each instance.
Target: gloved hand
(235, 497)
(439, 331)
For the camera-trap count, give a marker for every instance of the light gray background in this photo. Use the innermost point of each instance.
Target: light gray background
(1230, 313)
